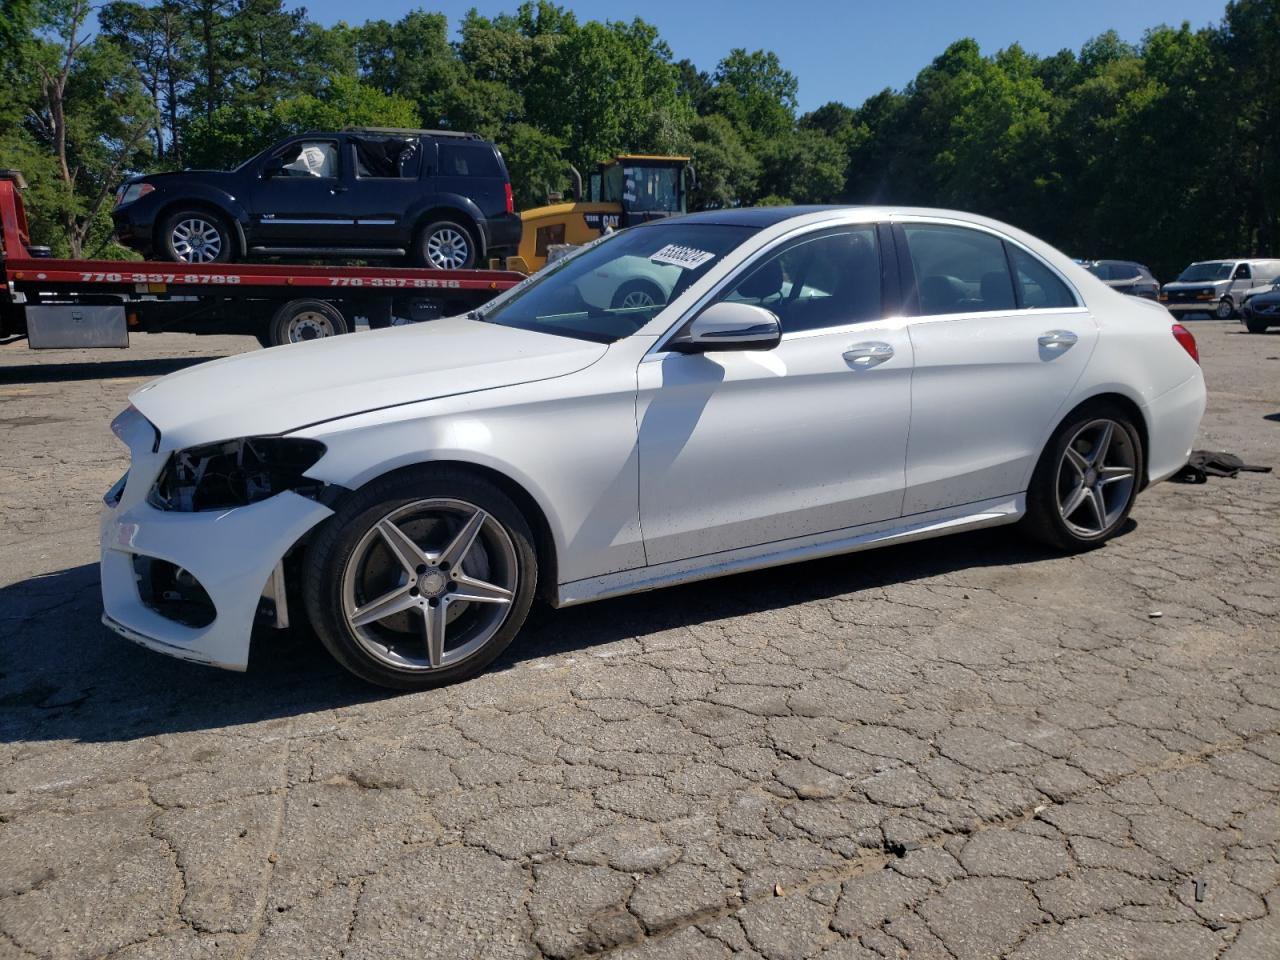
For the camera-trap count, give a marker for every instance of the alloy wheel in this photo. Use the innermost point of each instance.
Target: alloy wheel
(196, 241)
(1096, 478)
(429, 584)
(448, 249)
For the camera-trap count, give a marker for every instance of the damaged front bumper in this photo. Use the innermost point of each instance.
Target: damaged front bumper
(189, 584)
(232, 558)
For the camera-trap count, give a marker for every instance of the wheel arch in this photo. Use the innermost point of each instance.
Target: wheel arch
(528, 504)
(1129, 406)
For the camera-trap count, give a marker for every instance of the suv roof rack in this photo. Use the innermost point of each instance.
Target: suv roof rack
(408, 131)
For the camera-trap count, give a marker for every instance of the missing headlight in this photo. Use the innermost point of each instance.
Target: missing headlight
(218, 476)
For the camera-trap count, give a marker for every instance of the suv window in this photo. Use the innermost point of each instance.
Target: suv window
(310, 158)
(1041, 289)
(823, 281)
(959, 270)
(468, 160)
(387, 157)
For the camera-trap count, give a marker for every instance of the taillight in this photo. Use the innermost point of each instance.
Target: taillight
(511, 200)
(1184, 337)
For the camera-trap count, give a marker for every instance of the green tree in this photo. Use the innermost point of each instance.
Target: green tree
(756, 93)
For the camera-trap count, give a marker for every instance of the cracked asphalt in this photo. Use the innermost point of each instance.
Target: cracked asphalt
(957, 749)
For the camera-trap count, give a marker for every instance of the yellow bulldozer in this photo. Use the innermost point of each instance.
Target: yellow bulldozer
(625, 190)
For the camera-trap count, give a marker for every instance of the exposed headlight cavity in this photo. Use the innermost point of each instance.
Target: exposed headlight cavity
(233, 473)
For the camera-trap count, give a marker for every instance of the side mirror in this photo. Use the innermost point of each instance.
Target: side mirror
(728, 326)
(273, 166)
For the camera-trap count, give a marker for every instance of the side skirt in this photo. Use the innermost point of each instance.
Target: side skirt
(921, 526)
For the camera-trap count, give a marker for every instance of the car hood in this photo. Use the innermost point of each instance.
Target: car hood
(285, 388)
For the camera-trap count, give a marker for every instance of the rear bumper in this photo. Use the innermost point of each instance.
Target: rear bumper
(1173, 420)
(502, 234)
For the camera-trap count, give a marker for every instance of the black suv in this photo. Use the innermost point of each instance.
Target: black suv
(441, 198)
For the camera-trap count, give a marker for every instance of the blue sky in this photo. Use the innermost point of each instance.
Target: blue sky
(842, 50)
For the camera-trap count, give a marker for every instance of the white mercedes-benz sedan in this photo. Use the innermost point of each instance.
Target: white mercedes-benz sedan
(816, 381)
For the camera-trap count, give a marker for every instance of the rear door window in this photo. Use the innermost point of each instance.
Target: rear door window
(959, 270)
(1039, 288)
(398, 158)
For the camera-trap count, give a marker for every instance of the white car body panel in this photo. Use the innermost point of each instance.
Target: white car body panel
(650, 467)
(748, 419)
(278, 390)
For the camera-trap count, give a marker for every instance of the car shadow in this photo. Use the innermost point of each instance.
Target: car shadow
(96, 370)
(64, 676)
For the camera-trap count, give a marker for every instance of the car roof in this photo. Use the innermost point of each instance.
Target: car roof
(757, 216)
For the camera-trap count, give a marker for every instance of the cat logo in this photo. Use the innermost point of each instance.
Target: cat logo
(603, 222)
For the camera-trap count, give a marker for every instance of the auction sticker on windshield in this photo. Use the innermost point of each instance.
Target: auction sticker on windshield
(687, 258)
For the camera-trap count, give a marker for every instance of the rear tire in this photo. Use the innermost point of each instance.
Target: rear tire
(300, 320)
(446, 245)
(1086, 480)
(196, 236)
(378, 601)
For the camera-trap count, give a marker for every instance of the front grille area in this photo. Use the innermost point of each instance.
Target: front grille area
(172, 592)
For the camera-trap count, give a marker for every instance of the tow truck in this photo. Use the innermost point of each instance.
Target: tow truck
(66, 303)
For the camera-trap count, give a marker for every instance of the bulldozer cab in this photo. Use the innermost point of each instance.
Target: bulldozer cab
(621, 192)
(644, 187)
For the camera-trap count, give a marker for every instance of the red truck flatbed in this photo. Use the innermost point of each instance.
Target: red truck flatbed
(88, 303)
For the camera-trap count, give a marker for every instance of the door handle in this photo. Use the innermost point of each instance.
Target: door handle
(1058, 341)
(338, 189)
(863, 355)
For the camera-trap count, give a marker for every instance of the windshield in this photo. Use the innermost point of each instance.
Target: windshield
(1215, 270)
(618, 284)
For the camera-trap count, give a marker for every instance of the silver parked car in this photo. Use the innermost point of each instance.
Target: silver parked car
(1125, 276)
(1217, 287)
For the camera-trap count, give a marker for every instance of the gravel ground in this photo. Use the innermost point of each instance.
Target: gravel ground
(958, 749)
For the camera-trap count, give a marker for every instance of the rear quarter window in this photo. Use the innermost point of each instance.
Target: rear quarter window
(469, 160)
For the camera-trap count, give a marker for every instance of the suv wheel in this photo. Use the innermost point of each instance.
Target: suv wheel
(446, 245)
(195, 236)
(1226, 309)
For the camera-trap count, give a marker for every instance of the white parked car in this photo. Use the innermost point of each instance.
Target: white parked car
(814, 382)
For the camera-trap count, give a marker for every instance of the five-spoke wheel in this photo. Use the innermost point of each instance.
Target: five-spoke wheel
(1096, 478)
(429, 583)
(421, 578)
(1088, 476)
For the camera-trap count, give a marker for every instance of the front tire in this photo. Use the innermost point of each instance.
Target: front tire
(1226, 309)
(421, 578)
(1086, 480)
(196, 236)
(446, 245)
(1254, 325)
